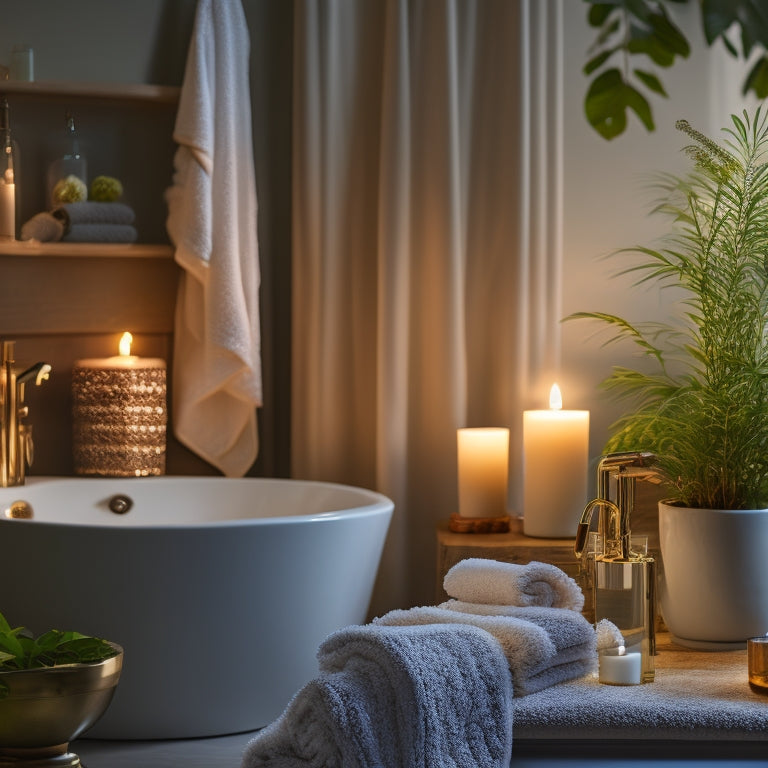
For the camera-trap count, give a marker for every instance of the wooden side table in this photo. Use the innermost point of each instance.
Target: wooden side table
(512, 547)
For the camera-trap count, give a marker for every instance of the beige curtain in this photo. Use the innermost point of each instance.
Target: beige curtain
(426, 253)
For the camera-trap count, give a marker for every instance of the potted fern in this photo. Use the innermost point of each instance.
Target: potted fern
(702, 404)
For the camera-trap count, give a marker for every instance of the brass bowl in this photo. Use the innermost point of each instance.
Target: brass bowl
(46, 708)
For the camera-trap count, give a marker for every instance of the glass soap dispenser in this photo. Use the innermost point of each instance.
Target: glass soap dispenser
(68, 173)
(624, 580)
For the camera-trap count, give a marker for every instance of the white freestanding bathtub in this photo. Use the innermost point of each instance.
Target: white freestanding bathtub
(219, 590)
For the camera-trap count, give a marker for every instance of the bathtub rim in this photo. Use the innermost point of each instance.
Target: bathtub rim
(378, 504)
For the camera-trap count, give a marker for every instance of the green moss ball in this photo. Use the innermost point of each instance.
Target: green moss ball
(106, 189)
(69, 190)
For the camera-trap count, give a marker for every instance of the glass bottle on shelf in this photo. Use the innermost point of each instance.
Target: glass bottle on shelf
(68, 173)
(9, 171)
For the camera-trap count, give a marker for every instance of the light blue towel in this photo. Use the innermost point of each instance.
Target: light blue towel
(435, 696)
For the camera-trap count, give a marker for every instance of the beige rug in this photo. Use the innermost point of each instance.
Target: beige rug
(696, 695)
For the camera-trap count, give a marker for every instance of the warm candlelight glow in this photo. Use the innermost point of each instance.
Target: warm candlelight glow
(125, 344)
(119, 414)
(555, 398)
(483, 459)
(555, 468)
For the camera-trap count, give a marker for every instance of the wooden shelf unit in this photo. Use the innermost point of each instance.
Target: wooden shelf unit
(33, 248)
(143, 92)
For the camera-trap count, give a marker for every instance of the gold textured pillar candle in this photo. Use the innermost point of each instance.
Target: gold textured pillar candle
(119, 415)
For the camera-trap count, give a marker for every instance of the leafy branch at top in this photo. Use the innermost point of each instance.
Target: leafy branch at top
(635, 34)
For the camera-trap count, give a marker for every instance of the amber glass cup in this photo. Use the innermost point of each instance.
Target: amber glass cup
(757, 663)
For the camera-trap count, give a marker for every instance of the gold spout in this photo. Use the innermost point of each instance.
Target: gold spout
(15, 437)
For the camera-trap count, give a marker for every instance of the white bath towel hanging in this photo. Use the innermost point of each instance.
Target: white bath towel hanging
(212, 223)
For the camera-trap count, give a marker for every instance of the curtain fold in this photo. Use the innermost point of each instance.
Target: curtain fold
(425, 272)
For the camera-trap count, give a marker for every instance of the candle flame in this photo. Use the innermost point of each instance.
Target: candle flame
(622, 650)
(125, 344)
(555, 398)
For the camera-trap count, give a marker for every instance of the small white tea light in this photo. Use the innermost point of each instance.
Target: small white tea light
(617, 667)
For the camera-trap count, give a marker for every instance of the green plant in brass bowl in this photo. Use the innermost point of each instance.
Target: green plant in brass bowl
(52, 689)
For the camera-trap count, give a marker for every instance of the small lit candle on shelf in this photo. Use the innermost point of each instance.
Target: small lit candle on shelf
(555, 469)
(119, 414)
(616, 666)
(483, 456)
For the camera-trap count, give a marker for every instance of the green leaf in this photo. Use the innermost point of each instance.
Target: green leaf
(599, 12)
(597, 61)
(650, 81)
(757, 79)
(10, 643)
(716, 18)
(661, 41)
(670, 35)
(607, 102)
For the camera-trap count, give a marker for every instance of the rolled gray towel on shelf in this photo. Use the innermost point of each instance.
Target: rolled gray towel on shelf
(101, 233)
(477, 580)
(91, 212)
(43, 227)
(429, 696)
(543, 646)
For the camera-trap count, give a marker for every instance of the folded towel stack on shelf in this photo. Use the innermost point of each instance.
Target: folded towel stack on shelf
(95, 222)
(84, 222)
(532, 610)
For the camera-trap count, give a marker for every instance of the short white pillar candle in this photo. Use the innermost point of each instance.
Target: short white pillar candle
(483, 457)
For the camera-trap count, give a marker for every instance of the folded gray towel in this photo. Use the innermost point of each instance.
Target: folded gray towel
(396, 697)
(101, 233)
(478, 580)
(543, 646)
(90, 212)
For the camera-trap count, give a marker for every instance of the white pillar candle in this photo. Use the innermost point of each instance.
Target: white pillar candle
(555, 469)
(7, 210)
(483, 457)
(119, 415)
(618, 667)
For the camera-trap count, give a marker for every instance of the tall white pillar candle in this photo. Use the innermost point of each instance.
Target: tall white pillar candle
(483, 455)
(7, 210)
(555, 469)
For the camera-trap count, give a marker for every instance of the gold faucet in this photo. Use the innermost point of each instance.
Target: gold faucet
(15, 436)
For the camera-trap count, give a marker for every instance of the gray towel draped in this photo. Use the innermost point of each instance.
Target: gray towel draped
(397, 697)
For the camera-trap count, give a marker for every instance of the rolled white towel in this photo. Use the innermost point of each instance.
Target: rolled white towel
(490, 582)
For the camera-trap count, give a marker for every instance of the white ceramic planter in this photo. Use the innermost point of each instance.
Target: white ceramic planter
(714, 588)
